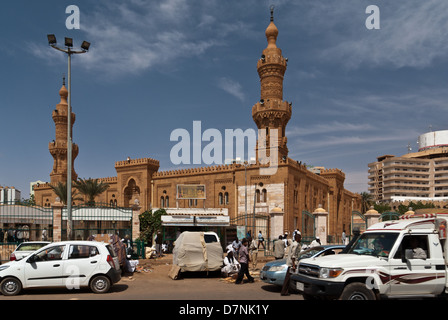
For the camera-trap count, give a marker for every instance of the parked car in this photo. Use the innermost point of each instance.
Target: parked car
(70, 264)
(25, 248)
(274, 272)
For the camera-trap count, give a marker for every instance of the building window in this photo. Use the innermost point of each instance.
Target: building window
(220, 199)
(167, 201)
(226, 198)
(162, 202)
(264, 195)
(257, 196)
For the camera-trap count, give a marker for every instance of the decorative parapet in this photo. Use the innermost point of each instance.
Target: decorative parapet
(108, 180)
(133, 162)
(333, 171)
(199, 170)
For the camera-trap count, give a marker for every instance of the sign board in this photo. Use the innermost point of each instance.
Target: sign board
(190, 191)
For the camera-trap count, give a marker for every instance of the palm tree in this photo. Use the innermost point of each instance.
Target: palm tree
(367, 199)
(91, 188)
(61, 191)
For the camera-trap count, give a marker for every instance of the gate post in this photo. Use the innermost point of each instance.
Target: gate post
(135, 220)
(320, 218)
(372, 217)
(276, 223)
(57, 220)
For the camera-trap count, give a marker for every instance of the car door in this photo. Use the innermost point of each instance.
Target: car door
(44, 268)
(411, 274)
(82, 261)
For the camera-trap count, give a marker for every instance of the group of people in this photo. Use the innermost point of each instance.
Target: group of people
(240, 254)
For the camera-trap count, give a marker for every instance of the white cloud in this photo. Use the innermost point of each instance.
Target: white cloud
(232, 87)
(412, 34)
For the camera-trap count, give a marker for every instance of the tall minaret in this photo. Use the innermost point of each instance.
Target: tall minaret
(271, 112)
(58, 148)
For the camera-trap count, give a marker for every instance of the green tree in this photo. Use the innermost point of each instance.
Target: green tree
(150, 222)
(367, 200)
(91, 188)
(402, 209)
(61, 191)
(381, 208)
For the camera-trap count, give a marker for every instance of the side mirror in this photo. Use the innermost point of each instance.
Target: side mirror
(31, 259)
(406, 255)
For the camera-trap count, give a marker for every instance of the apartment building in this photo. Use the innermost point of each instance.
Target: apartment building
(9, 195)
(419, 176)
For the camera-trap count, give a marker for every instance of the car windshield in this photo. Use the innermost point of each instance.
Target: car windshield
(308, 253)
(374, 244)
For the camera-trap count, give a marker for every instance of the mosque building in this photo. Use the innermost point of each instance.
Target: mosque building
(224, 195)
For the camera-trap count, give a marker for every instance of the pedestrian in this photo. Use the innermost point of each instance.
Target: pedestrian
(236, 245)
(159, 241)
(231, 265)
(253, 250)
(279, 248)
(244, 260)
(291, 261)
(260, 240)
(315, 242)
(344, 237)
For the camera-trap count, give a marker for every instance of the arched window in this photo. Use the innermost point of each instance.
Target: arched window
(220, 199)
(257, 196)
(226, 198)
(264, 195)
(162, 202)
(167, 201)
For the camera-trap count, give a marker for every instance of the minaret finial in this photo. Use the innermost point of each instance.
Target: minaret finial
(272, 12)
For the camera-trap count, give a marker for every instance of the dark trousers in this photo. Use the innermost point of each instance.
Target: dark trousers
(244, 271)
(285, 288)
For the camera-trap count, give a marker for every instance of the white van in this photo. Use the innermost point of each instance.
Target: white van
(400, 258)
(198, 251)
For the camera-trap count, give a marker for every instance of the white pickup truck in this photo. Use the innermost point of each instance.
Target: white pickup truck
(398, 258)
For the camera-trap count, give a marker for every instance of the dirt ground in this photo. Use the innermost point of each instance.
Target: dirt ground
(159, 268)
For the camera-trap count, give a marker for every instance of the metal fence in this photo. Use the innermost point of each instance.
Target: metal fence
(98, 219)
(20, 223)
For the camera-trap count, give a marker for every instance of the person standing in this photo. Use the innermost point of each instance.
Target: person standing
(159, 240)
(291, 261)
(260, 240)
(279, 248)
(253, 250)
(236, 245)
(244, 260)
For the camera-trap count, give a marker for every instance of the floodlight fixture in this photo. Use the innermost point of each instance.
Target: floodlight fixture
(68, 42)
(51, 39)
(85, 45)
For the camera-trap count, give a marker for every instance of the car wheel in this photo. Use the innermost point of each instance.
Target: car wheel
(100, 284)
(357, 291)
(10, 286)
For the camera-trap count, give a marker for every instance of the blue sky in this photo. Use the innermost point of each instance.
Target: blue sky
(155, 66)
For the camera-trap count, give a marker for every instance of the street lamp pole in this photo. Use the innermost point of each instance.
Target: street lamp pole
(84, 48)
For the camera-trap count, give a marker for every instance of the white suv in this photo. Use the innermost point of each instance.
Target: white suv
(70, 264)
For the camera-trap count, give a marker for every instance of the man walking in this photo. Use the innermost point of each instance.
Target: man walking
(244, 260)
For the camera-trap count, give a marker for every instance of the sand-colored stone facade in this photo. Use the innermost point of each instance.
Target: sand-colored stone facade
(292, 187)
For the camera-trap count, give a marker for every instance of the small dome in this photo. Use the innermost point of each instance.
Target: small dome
(63, 92)
(271, 35)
